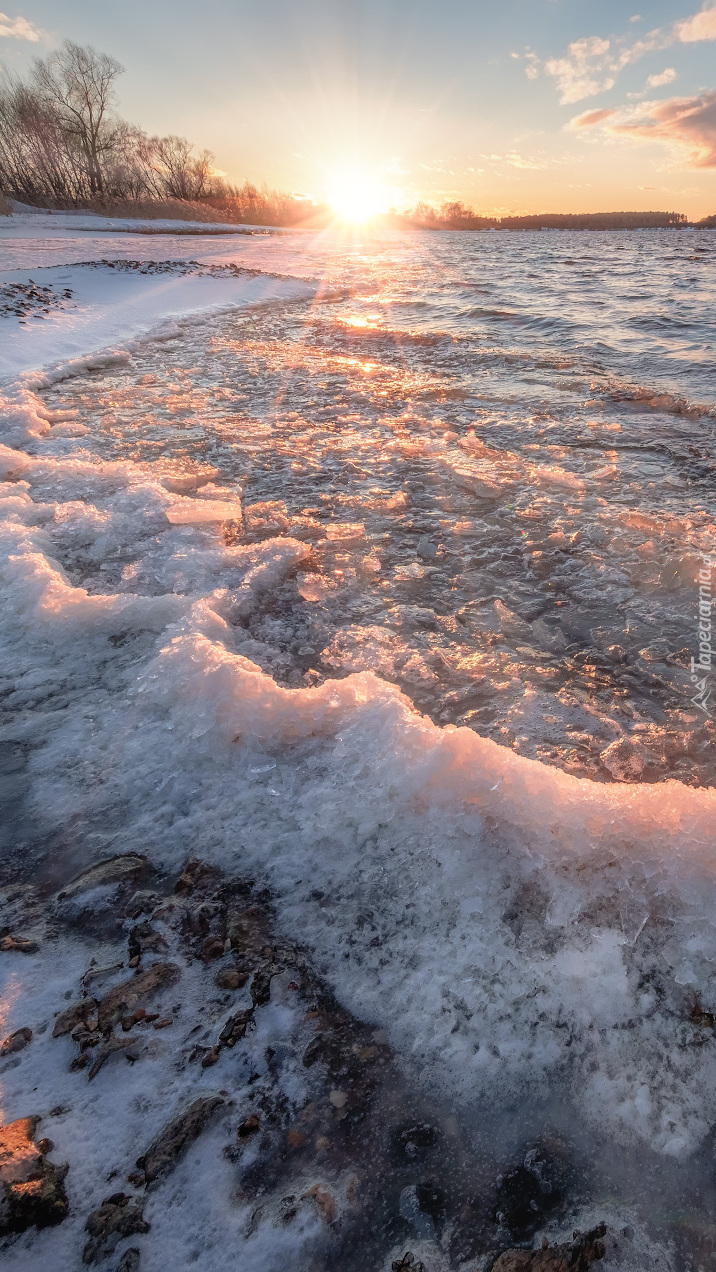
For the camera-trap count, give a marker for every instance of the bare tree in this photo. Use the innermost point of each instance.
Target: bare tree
(78, 84)
(181, 174)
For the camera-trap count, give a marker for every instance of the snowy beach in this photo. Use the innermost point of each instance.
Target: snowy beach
(350, 587)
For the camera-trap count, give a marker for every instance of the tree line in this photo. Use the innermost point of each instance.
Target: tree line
(459, 216)
(63, 145)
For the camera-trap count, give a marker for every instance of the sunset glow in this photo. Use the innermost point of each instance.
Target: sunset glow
(356, 197)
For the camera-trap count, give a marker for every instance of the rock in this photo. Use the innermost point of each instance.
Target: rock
(17, 945)
(67, 1020)
(16, 1041)
(325, 1201)
(31, 1188)
(94, 975)
(407, 1263)
(119, 1216)
(261, 987)
(212, 947)
(431, 1198)
(122, 1000)
(109, 1048)
(413, 1142)
(187, 880)
(174, 1140)
(144, 939)
(529, 1193)
(113, 870)
(141, 903)
(235, 1027)
(323, 1047)
(249, 1126)
(573, 1256)
(129, 1261)
(230, 978)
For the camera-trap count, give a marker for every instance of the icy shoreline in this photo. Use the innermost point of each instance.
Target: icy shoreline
(505, 924)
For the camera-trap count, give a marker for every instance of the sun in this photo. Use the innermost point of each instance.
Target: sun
(356, 196)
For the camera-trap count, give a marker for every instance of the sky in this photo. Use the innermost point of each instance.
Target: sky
(514, 106)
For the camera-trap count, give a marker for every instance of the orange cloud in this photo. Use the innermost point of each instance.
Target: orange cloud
(590, 118)
(687, 124)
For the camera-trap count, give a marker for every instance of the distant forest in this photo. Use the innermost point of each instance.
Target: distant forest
(62, 145)
(458, 216)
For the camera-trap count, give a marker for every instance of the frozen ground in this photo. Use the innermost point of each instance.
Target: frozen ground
(533, 950)
(90, 306)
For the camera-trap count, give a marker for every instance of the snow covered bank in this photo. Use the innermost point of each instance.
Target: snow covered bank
(108, 304)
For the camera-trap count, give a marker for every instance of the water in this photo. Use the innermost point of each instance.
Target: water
(500, 449)
(475, 476)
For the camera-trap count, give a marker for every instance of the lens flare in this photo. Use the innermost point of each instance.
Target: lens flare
(356, 196)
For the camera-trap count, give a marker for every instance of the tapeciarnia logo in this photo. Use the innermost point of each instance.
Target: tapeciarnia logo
(701, 668)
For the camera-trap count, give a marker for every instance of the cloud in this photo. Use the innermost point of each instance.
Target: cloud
(18, 29)
(582, 72)
(666, 77)
(591, 64)
(702, 26)
(590, 118)
(686, 124)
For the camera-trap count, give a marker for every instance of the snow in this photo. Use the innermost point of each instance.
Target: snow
(516, 914)
(109, 307)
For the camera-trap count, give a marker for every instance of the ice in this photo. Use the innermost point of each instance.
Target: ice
(356, 652)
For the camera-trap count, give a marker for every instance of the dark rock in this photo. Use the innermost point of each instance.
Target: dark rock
(533, 1191)
(113, 870)
(119, 1216)
(261, 987)
(431, 1198)
(249, 1126)
(323, 1047)
(141, 903)
(235, 1027)
(129, 1261)
(212, 947)
(407, 1263)
(573, 1256)
(16, 1041)
(69, 1019)
(109, 1048)
(174, 1140)
(122, 1000)
(413, 1142)
(31, 1188)
(144, 939)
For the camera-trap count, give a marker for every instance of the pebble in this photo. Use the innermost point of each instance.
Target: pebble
(16, 1041)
